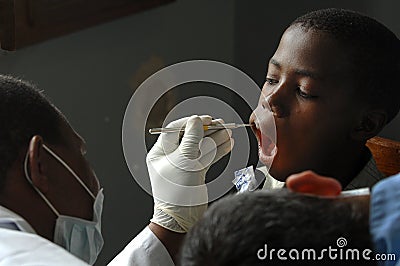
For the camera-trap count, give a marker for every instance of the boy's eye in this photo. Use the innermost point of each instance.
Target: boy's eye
(304, 94)
(271, 81)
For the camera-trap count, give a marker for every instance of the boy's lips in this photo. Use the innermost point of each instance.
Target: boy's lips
(266, 147)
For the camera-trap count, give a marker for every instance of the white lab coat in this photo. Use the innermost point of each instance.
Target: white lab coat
(20, 245)
(144, 250)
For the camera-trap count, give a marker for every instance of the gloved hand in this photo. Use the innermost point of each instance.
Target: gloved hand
(177, 171)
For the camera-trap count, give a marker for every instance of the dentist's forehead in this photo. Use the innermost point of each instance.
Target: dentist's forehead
(71, 136)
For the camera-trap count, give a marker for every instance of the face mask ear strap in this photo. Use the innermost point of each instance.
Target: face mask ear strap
(37, 190)
(69, 169)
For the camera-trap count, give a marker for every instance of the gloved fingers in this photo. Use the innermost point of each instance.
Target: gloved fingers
(198, 159)
(214, 155)
(211, 143)
(214, 122)
(194, 133)
(169, 142)
(207, 119)
(224, 149)
(216, 146)
(217, 121)
(178, 123)
(221, 136)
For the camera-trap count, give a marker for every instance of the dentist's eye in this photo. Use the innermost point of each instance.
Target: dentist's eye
(270, 81)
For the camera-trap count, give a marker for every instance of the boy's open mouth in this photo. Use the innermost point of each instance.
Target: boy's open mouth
(266, 147)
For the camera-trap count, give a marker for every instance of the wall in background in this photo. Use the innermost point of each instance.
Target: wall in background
(90, 75)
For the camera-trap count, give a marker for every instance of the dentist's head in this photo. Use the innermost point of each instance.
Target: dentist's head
(44, 176)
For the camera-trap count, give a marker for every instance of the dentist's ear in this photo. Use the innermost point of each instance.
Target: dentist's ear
(369, 125)
(35, 164)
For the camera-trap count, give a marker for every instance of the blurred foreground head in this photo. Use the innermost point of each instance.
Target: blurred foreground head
(243, 229)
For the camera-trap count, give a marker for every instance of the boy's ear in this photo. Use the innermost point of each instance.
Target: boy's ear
(371, 123)
(35, 164)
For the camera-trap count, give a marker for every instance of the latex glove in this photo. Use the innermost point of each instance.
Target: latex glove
(178, 170)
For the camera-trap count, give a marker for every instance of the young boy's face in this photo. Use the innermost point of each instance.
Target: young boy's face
(311, 92)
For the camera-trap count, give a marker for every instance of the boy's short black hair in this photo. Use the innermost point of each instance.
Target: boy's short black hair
(24, 112)
(234, 229)
(373, 50)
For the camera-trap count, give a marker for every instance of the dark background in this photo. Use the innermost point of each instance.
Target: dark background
(90, 75)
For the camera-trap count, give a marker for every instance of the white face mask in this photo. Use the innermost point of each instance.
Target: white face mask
(79, 236)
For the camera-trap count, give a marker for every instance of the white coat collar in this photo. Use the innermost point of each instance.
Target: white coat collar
(9, 217)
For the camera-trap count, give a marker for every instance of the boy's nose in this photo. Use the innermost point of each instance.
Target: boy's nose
(265, 103)
(276, 103)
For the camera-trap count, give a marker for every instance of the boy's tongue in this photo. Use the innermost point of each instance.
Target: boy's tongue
(267, 145)
(266, 133)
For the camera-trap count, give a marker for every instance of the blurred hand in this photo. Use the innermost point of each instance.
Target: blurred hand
(308, 182)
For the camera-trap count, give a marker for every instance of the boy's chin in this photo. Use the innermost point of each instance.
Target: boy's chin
(273, 169)
(267, 158)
